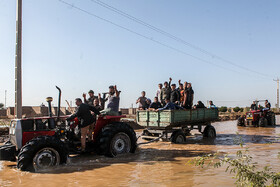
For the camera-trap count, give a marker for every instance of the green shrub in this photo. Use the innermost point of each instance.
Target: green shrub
(236, 109)
(223, 109)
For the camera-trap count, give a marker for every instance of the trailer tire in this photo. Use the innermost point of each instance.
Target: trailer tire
(209, 132)
(39, 148)
(8, 152)
(116, 138)
(262, 122)
(178, 137)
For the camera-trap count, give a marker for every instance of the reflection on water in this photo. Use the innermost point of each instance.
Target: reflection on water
(155, 164)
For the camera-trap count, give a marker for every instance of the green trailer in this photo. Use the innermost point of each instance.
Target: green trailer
(175, 125)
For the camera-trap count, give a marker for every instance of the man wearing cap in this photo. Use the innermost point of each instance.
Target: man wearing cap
(91, 98)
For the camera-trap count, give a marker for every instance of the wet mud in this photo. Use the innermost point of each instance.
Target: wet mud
(158, 163)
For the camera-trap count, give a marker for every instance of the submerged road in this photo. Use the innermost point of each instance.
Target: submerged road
(156, 164)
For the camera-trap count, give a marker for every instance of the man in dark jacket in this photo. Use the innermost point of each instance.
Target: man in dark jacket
(267, 104)
(188, 96)
(175, 95)
(155, 105)
(84, 114)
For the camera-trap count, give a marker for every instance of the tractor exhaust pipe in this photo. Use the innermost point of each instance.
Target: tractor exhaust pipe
(59, 101)
(49, 100)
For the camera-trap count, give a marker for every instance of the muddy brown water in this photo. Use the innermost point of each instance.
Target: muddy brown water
(156, 164)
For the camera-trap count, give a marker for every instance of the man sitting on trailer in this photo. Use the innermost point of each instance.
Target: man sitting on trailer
(170, 106)
(155, 105)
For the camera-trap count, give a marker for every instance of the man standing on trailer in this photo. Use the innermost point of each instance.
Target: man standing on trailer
(87, 119)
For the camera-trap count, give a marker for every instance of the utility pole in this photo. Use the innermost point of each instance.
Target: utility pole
(18, 82)
(277, 104)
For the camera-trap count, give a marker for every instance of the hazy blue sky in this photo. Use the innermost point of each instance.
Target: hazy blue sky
(66, 47)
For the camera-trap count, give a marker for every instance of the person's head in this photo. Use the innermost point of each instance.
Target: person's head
(78, 101)
(165, 84)
(185, 85)
(143, 93)
(91, 93)
(96, 102)
(198, 102)
(173, 86)
(189, 85)
(181, 87)
(148, 101)
(266, 101)
(111, 90)
(156, 99)
(167, 100)
(254, 102)
(211, 102)
(160, 86)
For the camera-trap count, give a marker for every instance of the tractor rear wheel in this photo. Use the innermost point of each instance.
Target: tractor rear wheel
(178, 137)
(262, 122)
(41, 153)
(117, 138)
(209, 132)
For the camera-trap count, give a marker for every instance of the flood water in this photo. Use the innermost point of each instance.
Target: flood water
(156, 164)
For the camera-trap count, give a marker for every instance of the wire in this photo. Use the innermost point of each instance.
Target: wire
(174, 37)
(146, 37)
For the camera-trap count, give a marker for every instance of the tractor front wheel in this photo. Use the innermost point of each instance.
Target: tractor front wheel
(42, 153)
(117, 138)
(263, 122)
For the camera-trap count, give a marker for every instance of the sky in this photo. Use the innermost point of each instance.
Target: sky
(74, 48)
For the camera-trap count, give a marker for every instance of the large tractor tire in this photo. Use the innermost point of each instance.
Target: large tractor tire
(117, 138)
(241, 121)
(8, 152)
(209, 132)
(263, 122)
(42, 153)
(271, 120)
(178, 137)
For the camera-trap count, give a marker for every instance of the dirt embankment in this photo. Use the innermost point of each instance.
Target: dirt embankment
(4, 134)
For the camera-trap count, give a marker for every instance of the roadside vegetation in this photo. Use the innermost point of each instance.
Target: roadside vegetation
(246, 171)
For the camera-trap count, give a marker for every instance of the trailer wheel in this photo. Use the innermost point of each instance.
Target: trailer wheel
(116, 138)
(262, 122)
(41, 153)
(209, 132)
(8, 152)
(178, 137)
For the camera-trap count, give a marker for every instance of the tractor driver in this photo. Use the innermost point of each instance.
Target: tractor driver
(254, 106)
(87, 119)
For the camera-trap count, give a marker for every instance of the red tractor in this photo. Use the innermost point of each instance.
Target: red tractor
(42, 142)
(257, 117)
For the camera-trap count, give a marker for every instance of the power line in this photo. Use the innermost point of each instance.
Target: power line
(174, 37)
(146, 37)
